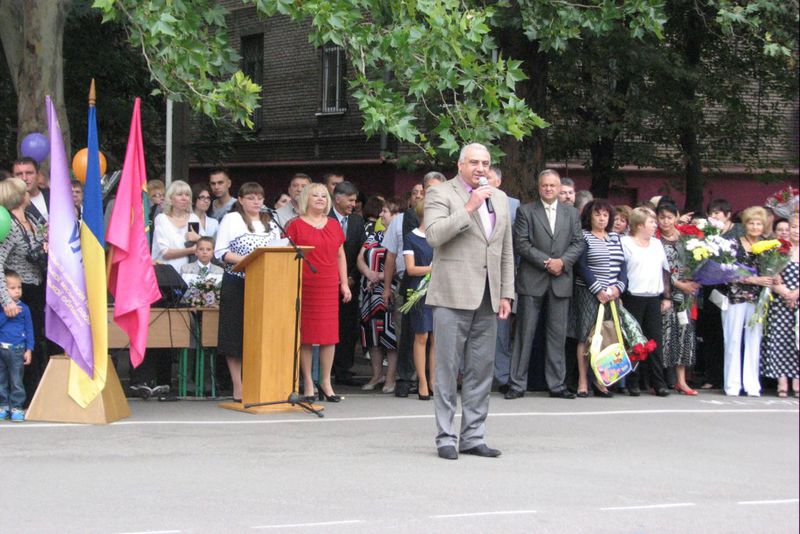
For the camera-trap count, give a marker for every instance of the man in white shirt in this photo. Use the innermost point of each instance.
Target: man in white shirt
(289, 211)
(220, 184)
(27, 169)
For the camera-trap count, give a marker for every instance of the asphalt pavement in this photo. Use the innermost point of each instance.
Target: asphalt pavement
(622, 465)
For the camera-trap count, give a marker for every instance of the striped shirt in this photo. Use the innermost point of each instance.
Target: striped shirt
(602, 263)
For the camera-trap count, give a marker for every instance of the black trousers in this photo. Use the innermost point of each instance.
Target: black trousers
(155, 369)
(34, 297)
(647, 310)
(711, 344)
(349, 334)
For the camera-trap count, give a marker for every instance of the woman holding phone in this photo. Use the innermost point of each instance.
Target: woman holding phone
(173, 239)
(207, 225)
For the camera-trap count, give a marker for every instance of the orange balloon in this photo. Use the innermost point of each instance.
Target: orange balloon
(80, 161)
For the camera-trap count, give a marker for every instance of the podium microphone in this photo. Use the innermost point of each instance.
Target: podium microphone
(265, 209)
(481, 182)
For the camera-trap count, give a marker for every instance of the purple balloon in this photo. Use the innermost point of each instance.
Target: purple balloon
(36, 146)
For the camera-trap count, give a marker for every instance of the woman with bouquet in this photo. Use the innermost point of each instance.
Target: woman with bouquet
(779, 357)
(648, 294)
(676, 322)
(742, 297)
(602, 277)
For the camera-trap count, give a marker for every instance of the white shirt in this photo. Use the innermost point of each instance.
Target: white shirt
(645, 266)
(166, 236)
(393, 242)
(212, 225)
(41, 205)
(550, 210)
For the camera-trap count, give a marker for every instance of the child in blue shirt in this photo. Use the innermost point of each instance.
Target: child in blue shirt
(16, 346)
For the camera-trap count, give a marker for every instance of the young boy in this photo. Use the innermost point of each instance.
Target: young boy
(202, 268)
(16, 346)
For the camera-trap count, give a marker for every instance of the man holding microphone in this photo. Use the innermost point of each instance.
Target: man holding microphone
(472, 284)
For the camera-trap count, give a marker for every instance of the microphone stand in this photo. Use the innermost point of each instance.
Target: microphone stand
(294, 397)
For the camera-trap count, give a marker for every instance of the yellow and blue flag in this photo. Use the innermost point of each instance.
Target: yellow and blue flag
(83, 387)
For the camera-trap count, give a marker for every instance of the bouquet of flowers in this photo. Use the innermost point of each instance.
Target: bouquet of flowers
(784, 202)
(710, 258)
(203, 292)
(772, 257)
(637, 345)
(415, 295)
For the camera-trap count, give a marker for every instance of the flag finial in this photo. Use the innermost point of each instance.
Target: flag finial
(92, 97)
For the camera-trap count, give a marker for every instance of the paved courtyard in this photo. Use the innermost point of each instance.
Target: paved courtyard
(621, 465)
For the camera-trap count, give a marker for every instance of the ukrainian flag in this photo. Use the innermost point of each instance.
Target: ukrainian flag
(82, 388)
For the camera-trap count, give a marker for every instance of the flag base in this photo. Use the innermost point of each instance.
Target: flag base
(51, 402)
(273, 408)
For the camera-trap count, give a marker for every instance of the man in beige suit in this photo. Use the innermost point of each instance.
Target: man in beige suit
(472, 283)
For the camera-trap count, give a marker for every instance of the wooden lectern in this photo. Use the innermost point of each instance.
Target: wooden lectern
(269, 370)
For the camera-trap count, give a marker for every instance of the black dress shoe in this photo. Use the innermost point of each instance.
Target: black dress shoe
(401, 388)
(513, 394)
(503, 388)
(634, 392)
(482, 450)
(448, 452)
(662, 392)
(562, 394)
(600, 393)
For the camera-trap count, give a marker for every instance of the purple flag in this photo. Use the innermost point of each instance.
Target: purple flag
(66, 312)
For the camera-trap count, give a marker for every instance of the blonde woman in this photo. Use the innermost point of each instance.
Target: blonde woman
(173, 239)
(742, 298)
(319, 314)
(648, 294)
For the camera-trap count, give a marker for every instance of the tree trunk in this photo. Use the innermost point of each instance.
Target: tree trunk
(603, 167)
(32, 33)
(692, 112)
(525, 159)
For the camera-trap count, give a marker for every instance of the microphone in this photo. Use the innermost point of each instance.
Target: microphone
(266, 209)
(481, 182)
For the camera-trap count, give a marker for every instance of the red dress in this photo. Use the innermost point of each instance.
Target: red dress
(319, 309)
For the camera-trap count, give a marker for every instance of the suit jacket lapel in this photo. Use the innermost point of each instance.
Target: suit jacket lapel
(461, 192)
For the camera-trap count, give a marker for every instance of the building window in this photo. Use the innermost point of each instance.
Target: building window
(334, 95)
(253, 66)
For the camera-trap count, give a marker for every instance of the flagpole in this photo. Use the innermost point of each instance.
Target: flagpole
(168, 158)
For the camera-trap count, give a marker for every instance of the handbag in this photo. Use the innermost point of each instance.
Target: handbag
(607, 355)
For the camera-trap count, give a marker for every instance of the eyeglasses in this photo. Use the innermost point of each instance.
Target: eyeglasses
(204, 197)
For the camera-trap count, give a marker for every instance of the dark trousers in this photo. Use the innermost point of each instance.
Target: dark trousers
(155, 369)
(349, 334)
(405, 341)
(34, 297)
(710, 341)
(647, 310)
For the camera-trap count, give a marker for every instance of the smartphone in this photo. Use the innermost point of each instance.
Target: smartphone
(194, 227)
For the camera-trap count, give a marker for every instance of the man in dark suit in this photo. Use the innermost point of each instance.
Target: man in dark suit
(549, 241)
(344, 200)
(27, 169)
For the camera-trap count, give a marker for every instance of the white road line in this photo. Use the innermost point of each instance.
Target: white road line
(153, 532)
(301, 525)
(479, 514)
(775, 501)
(649, 506)
(310, 420)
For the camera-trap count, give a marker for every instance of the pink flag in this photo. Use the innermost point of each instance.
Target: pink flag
(132, 280)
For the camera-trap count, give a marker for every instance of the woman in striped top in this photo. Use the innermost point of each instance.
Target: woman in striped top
(601, 278)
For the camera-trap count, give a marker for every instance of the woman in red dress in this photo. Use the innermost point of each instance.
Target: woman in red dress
(319, 312)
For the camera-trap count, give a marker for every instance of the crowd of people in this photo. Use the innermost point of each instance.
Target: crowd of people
(570, 254)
